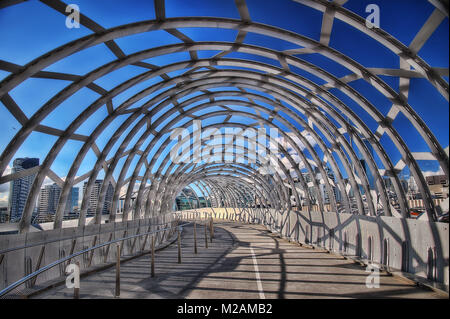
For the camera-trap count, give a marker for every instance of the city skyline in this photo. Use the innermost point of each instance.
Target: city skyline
(47, 205)
(49, 194)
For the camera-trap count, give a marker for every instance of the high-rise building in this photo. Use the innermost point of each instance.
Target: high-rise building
(93, 197)
(404, 184)
(365, 166)
(108, 199)
(20, 187)
(388, 184)
(49, 199)
(72, 200)
(369, 175)
(335, 190)
(4, 214)
(412, 185)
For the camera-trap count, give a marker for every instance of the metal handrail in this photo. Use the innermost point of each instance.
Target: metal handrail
(57, 262)
(8, 250)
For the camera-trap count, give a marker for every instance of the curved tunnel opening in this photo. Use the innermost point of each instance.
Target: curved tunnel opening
(268, 120)
(305, 134)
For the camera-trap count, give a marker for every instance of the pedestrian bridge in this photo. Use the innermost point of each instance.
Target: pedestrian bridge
(209, 253)
(300, 138)
(242, 261)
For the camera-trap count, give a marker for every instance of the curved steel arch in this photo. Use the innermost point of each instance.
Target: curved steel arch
(304, 103)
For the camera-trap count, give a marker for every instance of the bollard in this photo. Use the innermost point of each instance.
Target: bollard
(153, 256)
(206, 236)
(179, 246)
(195, 238)
(76, 291)
(117, 292)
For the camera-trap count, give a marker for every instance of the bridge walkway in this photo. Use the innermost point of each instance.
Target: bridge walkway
(242, 262)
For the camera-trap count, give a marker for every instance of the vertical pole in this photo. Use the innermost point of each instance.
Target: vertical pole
(117, 292)
(179, 245)
(195, 238)
(153, 256)
(206, 236)
(211, 229)
(76, 291)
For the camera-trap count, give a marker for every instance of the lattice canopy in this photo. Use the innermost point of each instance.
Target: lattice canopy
(356, 108)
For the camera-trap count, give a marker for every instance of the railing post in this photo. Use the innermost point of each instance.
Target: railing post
(145, 242)
(212, 226)
(107, 249)
(206, 236)
(153, 257)
(179, 245)
(92, 252)
(211, 230)
(71, 250)
(117, 292)
(195, 238)
(38, 265)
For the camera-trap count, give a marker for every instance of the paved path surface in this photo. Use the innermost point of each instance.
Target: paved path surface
(243, 261)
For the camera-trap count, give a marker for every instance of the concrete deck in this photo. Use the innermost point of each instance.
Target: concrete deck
(243, 261)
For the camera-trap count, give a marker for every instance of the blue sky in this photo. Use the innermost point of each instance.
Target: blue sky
(31, 29)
